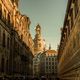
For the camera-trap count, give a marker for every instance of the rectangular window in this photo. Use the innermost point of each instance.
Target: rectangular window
(71, 15)
(76, 7)
(46, 59)
(49, 67)
(78, 39)
(52, 59)
(52, 63)
(4, 42)
(49, 63)
(8, 42)
(74, 43)
(0, 10)
(4, 14)
(46, 63)
(0, 34)
(68, 27)
(8, 18)
(46, 67)
(49, 59)
(52, 67)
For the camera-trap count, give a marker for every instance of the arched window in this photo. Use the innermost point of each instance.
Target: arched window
(0, 10)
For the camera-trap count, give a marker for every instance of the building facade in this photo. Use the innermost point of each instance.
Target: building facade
(69, 49)
(16, 43)
(50, 61)
(45, 65)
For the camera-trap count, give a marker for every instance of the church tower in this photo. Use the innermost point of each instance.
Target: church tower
(39, 43)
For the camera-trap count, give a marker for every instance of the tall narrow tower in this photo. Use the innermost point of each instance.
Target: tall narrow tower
(38, 41)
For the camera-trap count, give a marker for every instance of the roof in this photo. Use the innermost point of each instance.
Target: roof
(51, 52)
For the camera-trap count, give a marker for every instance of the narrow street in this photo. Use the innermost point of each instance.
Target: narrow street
(39, 39)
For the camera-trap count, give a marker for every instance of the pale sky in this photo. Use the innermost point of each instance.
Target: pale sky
(49, 14)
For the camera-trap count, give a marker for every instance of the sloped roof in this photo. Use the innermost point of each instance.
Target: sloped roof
(51, 52)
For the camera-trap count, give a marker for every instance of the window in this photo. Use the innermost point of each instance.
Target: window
(7, 66)
(49, 63)
(21, 37)
(68, 27)
(2, 64)
(3, 43)
(39, 44)
(0, 34)
(76, 7)
(46, 59)
(49, 67)
(74, 43)
(4, 14)
(0, 10)
(8, 18)
(46, 63)
(8, 42)
(71, 15)
(46, 67)
(52, 59)
(52, 63)
(52, 67)
(78, 39)
(49, 59)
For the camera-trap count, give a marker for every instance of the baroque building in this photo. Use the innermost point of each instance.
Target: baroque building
(16, 43)
(69, 48)
(39, 42)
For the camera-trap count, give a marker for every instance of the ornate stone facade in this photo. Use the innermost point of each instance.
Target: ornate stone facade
(16, 43)
(69, 49)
